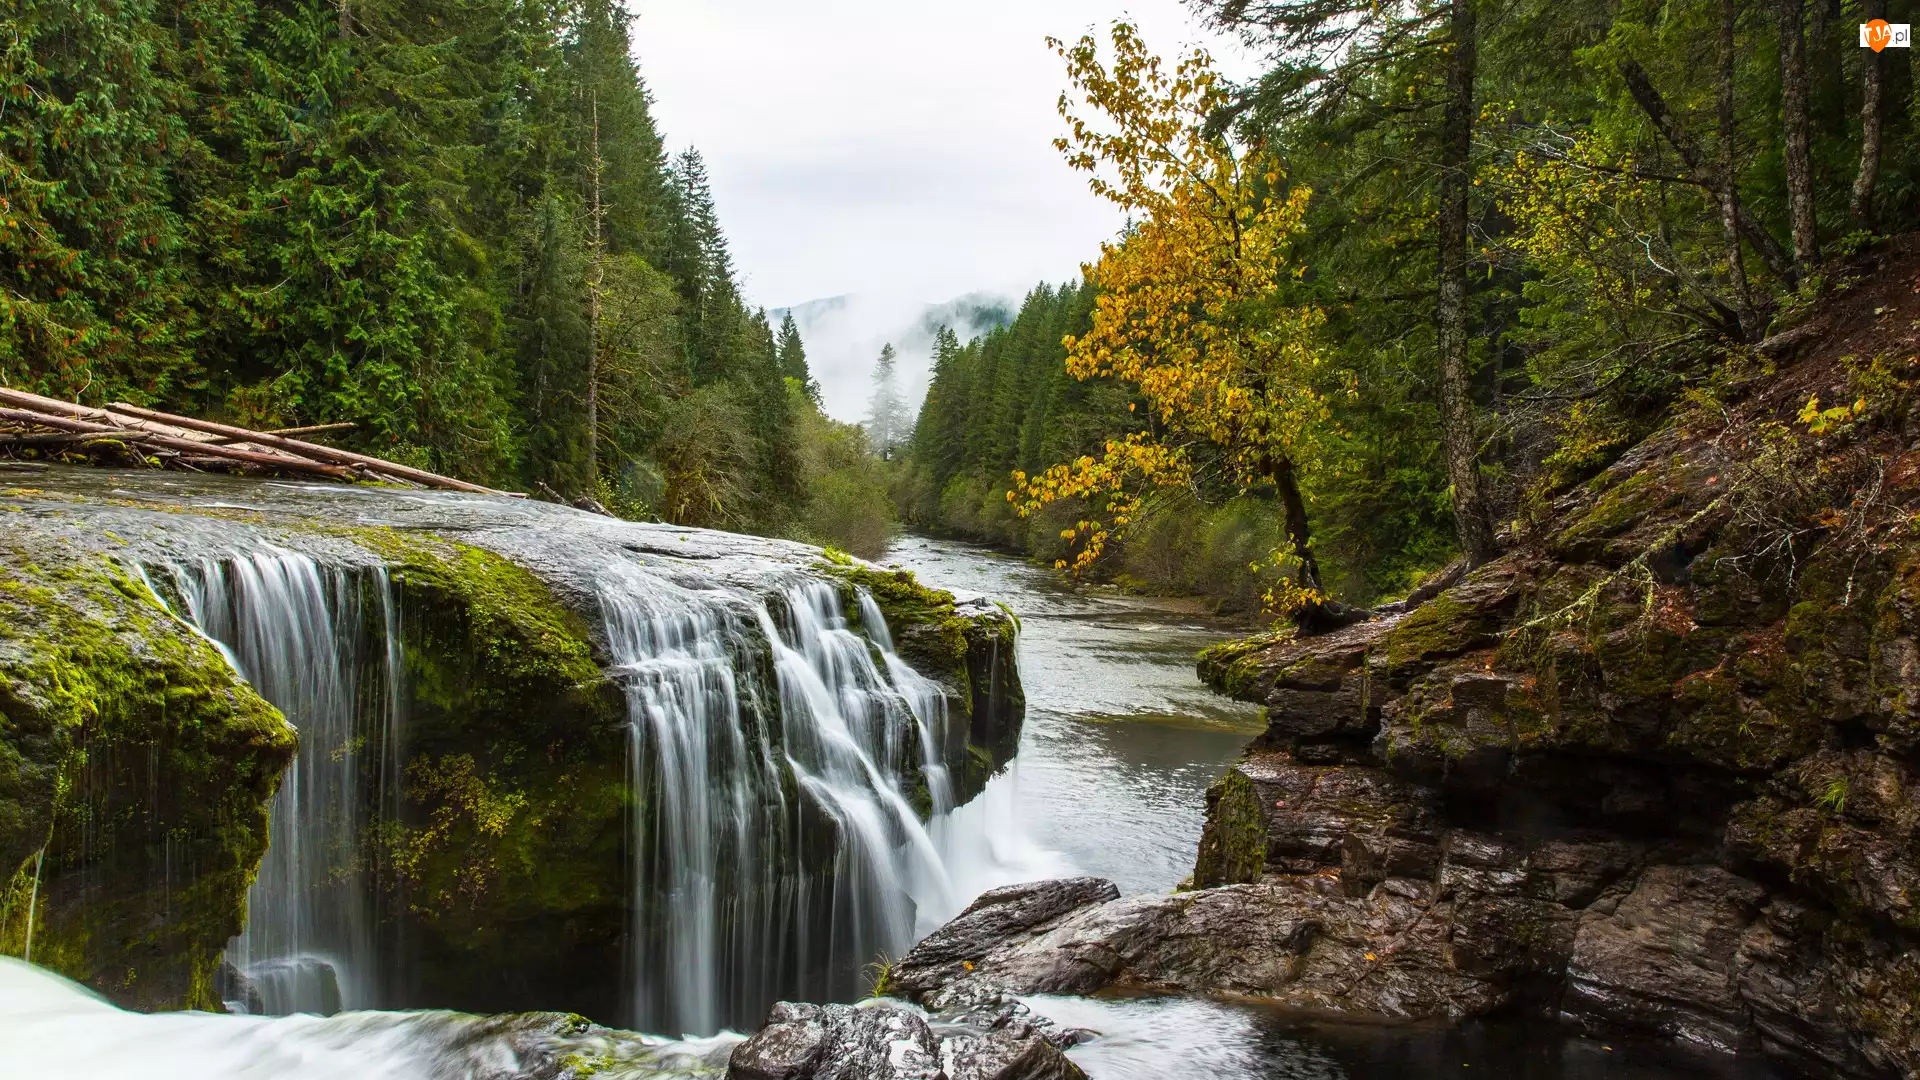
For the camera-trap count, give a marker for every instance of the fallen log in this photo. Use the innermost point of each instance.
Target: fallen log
(190, 446)
(266, 449)
(310, 429)
(54, 406)
(307, 449)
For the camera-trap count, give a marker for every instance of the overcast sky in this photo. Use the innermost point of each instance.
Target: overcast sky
(898, 147)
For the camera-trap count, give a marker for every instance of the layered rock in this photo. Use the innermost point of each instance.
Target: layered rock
(1652, 770)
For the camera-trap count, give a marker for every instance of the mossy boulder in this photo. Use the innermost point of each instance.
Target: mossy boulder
(967, 647)
(507, 867)
(136, 773)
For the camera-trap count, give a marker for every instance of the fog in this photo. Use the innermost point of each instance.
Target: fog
(844, 336)
(885, 157)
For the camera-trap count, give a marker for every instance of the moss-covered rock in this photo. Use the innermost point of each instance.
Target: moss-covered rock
(968, 649)
(1233, 845)
(1709, 654)
(136, 772)
(508, 867)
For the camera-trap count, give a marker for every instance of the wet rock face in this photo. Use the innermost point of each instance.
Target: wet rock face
(1666, 958)
(998, 917)
(136, 772)
(1630, 774)
(1302, 943)
(989, 1038)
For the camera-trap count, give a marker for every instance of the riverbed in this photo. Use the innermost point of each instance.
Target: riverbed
(1120, 743)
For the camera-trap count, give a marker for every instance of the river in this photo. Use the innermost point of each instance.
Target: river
(1121, 739)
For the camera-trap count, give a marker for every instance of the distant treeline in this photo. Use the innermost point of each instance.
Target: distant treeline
(451, 222)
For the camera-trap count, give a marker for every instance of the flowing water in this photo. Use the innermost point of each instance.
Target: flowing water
(1121, 739)
(53, 1027)
(778, 849)
(798, 821)
(304, 636)
(783, 851)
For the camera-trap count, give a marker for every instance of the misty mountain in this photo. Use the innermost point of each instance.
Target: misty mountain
(844, 335)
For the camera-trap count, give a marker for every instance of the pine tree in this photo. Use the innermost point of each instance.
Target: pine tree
(793, 360)
(92, 300)
(889, 423)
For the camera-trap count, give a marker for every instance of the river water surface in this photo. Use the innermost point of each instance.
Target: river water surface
(1121, 739)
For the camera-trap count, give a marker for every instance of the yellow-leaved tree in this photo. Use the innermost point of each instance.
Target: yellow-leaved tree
(1187, 309)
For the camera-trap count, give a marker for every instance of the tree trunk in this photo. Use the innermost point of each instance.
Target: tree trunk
(1799, 159)
(596, 277)
(1470, 514)
(1729, 192)
(1287, 482)
(1872, 86)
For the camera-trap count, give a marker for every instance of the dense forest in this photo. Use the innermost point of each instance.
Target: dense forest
(1377, 306)
(1372, 309)
(454, 225)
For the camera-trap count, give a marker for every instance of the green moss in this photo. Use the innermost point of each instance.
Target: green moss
(1618, 510)
(142, 767)
(1441, 627)
(1239, 669)
(928, 631)
(517, 796)
(515, 626)
(1233, 845)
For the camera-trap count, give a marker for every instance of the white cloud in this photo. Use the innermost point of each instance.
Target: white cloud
(888, 147)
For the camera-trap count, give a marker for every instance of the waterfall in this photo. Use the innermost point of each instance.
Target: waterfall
(777, 839)
(303, 635)
(789, 770)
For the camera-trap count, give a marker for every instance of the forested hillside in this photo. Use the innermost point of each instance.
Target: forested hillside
(453, 224)
(1382, 304)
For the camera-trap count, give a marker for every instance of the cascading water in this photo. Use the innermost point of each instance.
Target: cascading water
(791, 807)
(777, 843)
(303, 635)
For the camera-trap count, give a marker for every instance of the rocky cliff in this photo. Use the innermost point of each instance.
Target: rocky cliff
(137, 768)
(1656, 769)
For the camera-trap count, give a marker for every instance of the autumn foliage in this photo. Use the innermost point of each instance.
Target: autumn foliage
(1186, 310)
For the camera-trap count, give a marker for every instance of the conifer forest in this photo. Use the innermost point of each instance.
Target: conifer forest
(1465, 251)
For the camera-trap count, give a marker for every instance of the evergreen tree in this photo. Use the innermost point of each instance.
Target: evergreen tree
(889, 423)
(793, 360)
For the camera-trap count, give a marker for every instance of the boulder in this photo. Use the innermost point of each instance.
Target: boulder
(886, 1041)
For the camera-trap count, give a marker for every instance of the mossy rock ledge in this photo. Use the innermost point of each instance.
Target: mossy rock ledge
(1656, 769)
(137, 770)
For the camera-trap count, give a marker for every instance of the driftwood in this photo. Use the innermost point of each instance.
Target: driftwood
(29, 421)
(306, 449)
(136, 437)
(310, 429)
